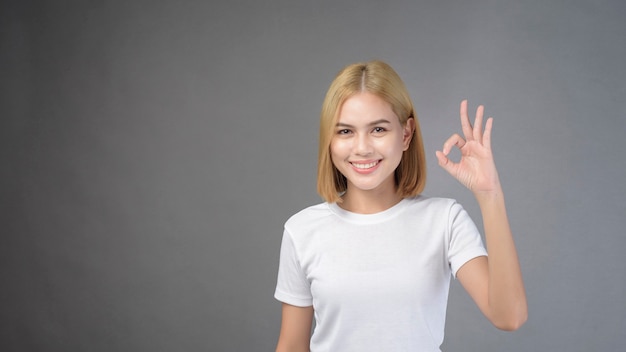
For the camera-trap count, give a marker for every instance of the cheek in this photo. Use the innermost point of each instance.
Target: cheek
(333, 153)
(391, 146)
(338, 148)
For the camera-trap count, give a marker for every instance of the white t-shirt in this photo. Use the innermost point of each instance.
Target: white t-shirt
(377, 282)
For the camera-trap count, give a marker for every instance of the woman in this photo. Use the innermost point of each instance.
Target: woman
(372, 264)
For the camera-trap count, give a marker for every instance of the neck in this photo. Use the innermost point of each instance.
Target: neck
(369, 202)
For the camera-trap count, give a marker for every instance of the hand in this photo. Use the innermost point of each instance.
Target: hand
(476, 170)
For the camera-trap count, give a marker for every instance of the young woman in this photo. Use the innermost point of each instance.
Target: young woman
(372, 264)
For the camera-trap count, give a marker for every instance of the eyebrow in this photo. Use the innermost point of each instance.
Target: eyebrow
(373, 123)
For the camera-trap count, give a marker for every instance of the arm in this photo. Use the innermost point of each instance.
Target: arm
(494, 283)
(295, 329)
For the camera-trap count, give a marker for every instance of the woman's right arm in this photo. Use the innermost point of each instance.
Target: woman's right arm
(295, 329)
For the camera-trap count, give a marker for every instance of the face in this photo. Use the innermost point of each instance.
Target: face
(368, 143)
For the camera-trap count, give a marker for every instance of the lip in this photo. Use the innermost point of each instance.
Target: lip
(365, 166)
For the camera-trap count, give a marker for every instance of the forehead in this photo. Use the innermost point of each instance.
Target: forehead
(365, 107)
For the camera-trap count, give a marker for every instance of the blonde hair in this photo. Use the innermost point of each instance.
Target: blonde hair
(378, 78)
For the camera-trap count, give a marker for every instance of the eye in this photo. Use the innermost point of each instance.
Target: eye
(379, 129)
(343, 131)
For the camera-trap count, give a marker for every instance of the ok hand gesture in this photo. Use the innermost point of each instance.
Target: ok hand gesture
(476, 170)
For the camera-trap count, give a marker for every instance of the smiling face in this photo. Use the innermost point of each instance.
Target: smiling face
(368, 143)
(379, 79)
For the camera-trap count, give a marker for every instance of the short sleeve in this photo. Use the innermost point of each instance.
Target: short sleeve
(464, 242)
(292, 287)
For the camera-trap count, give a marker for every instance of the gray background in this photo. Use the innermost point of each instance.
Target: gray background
(151, 151)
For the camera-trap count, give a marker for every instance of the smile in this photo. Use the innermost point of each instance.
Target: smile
(365, 166)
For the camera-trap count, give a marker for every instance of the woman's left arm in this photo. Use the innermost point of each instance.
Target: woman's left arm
(495, 283)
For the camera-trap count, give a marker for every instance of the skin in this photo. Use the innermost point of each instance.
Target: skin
(495, 282)
(369, 132)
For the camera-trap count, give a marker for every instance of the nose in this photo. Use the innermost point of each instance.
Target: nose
(363, 145)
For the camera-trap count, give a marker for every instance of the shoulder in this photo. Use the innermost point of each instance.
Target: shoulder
(307, 225)
(434, 209)
(309, 215)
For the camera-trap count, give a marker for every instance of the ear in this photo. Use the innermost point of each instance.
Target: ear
(407, 135)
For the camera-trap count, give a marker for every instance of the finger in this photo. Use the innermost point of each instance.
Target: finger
(465, 122)
(454, 140)
(446, 163)
(478, 123)
(487, 134)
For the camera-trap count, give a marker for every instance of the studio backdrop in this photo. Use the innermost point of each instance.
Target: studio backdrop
(150, 153)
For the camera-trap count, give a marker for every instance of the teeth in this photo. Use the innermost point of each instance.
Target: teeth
(365, 166)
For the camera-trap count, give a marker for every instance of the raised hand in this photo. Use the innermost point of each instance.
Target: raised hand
(476, 170)
(496, 283)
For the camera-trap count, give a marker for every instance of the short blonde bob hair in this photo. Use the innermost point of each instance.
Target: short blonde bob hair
(378, 78)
